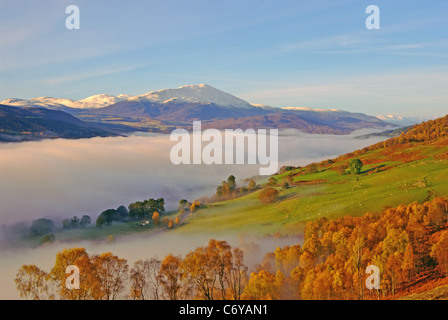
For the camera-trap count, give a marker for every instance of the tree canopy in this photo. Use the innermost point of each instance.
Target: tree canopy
(355, 166)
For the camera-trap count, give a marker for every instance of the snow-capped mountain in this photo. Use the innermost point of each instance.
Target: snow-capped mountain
(101, 100)
(390, 117)
(201, 93)
(93, 102)
(404, 121)
(46, 102)
(180, 106)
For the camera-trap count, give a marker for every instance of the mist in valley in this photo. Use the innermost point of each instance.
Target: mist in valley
(62, 178)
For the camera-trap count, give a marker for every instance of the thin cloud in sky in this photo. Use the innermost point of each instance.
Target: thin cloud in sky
(356, 43)
(90, 74)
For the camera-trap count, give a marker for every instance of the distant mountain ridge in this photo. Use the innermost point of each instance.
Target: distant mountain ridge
(181, 106)
(30, 123)
(404, 121)
(201, 93)
(92, 102)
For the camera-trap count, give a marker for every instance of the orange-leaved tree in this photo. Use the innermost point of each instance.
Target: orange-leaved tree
(112, 273)
(440, 252)
(90, 287)
(33, 283)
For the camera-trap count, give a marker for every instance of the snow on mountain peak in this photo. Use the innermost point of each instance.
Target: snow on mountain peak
(100, 101)
(405, 120)
(11, 101)
(390, 117)
(124, 96)
(201, 93)
(41, 102)
(55, 102)
(99, 97)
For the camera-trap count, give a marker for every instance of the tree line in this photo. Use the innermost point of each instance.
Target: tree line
(229, 190)
(139, 210)
(216, 271)
(408, 243)
(136, 211)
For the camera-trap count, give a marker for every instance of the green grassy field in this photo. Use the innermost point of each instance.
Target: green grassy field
(328, 193)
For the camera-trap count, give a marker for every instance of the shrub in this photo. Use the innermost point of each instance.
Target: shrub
(48, 238)
(268, 195)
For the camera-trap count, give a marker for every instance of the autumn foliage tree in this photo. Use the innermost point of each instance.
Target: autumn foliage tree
(216, 271)
(331, 263)
(440, 252)
(156, 217)
(268, 195)
(262, 285)
(33, 283)
(171, 277)
(237, 275)
(196, 267)
(195, 205)
(89, 288)
(112, 273)
(228, 189)
(145, 279)
(101, 277)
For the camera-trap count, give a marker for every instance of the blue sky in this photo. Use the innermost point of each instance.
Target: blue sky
(280, 53)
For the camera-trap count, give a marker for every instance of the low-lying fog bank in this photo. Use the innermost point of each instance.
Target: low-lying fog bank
(63, 178)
